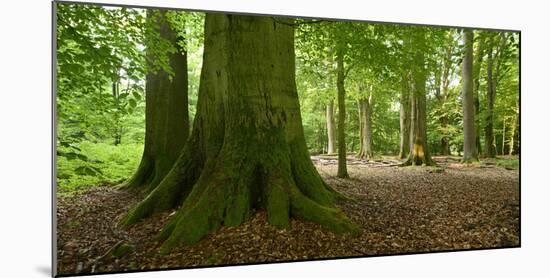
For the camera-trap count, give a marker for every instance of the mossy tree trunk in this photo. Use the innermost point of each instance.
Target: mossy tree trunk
(470, 153)
(404, 118)
(247, 148)
(365, 128)
(331, 127)
(419, 154)
(340, 78)
(166, 113)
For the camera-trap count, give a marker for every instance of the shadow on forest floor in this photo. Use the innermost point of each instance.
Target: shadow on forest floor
(400, 210)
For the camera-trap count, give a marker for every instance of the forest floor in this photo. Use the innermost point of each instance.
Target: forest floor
(400, 210)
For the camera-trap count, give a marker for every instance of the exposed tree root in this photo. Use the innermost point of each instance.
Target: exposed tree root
(469, 161)
(415, 160)
(230, 187)
(173, 189)
(364, 155)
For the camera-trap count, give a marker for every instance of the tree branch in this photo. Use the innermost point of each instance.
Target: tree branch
(299, 23)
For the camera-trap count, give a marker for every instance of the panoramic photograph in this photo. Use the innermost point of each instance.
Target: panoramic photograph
(201, 139)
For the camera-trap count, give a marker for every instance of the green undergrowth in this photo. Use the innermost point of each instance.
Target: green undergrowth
(511, 162)
(104, 164)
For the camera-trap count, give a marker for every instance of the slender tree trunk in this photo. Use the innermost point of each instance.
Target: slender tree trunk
(331, 127)
(117, 129)
(419, 154)
(442, 94)
(166, 116)
(503, 146)
(342, 155)
(365, 123)
(445, 144)
(321, 138)
(477, 107)
(470, 153)
(404, 118)
(489, 150)
(247, 148)
(514, 133)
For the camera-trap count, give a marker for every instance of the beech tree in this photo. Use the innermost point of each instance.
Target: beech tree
(340, 71)
(443, 76)
(166, 116)
(419, 152)
(404, 117)
(470, 153)
(247, 148)
(497, 53)
(365, 122)
(490, 148)
(479, 53)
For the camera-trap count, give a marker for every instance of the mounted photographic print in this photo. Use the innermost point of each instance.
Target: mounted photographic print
(199, 139)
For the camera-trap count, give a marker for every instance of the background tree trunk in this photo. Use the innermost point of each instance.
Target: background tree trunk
(117, 132)
(365, 124)
(490, 145)
(404, 118)
(442, 94)
(247, 148)
(419, 154)
(166, 113)
(477, 107)
(342, 155)
(470, 153)
(331, 127)
(512, 148)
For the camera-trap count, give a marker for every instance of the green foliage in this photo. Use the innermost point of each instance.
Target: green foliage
(100, 73)
(104, 54)
(103, 164)
(510, 162)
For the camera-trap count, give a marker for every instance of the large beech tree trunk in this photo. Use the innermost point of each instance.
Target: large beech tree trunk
(419, 154)
(331, 127)
(365, 127)
(342, 151)
(470, 153)
(166, 116)
(404, 118)
(247, 148)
